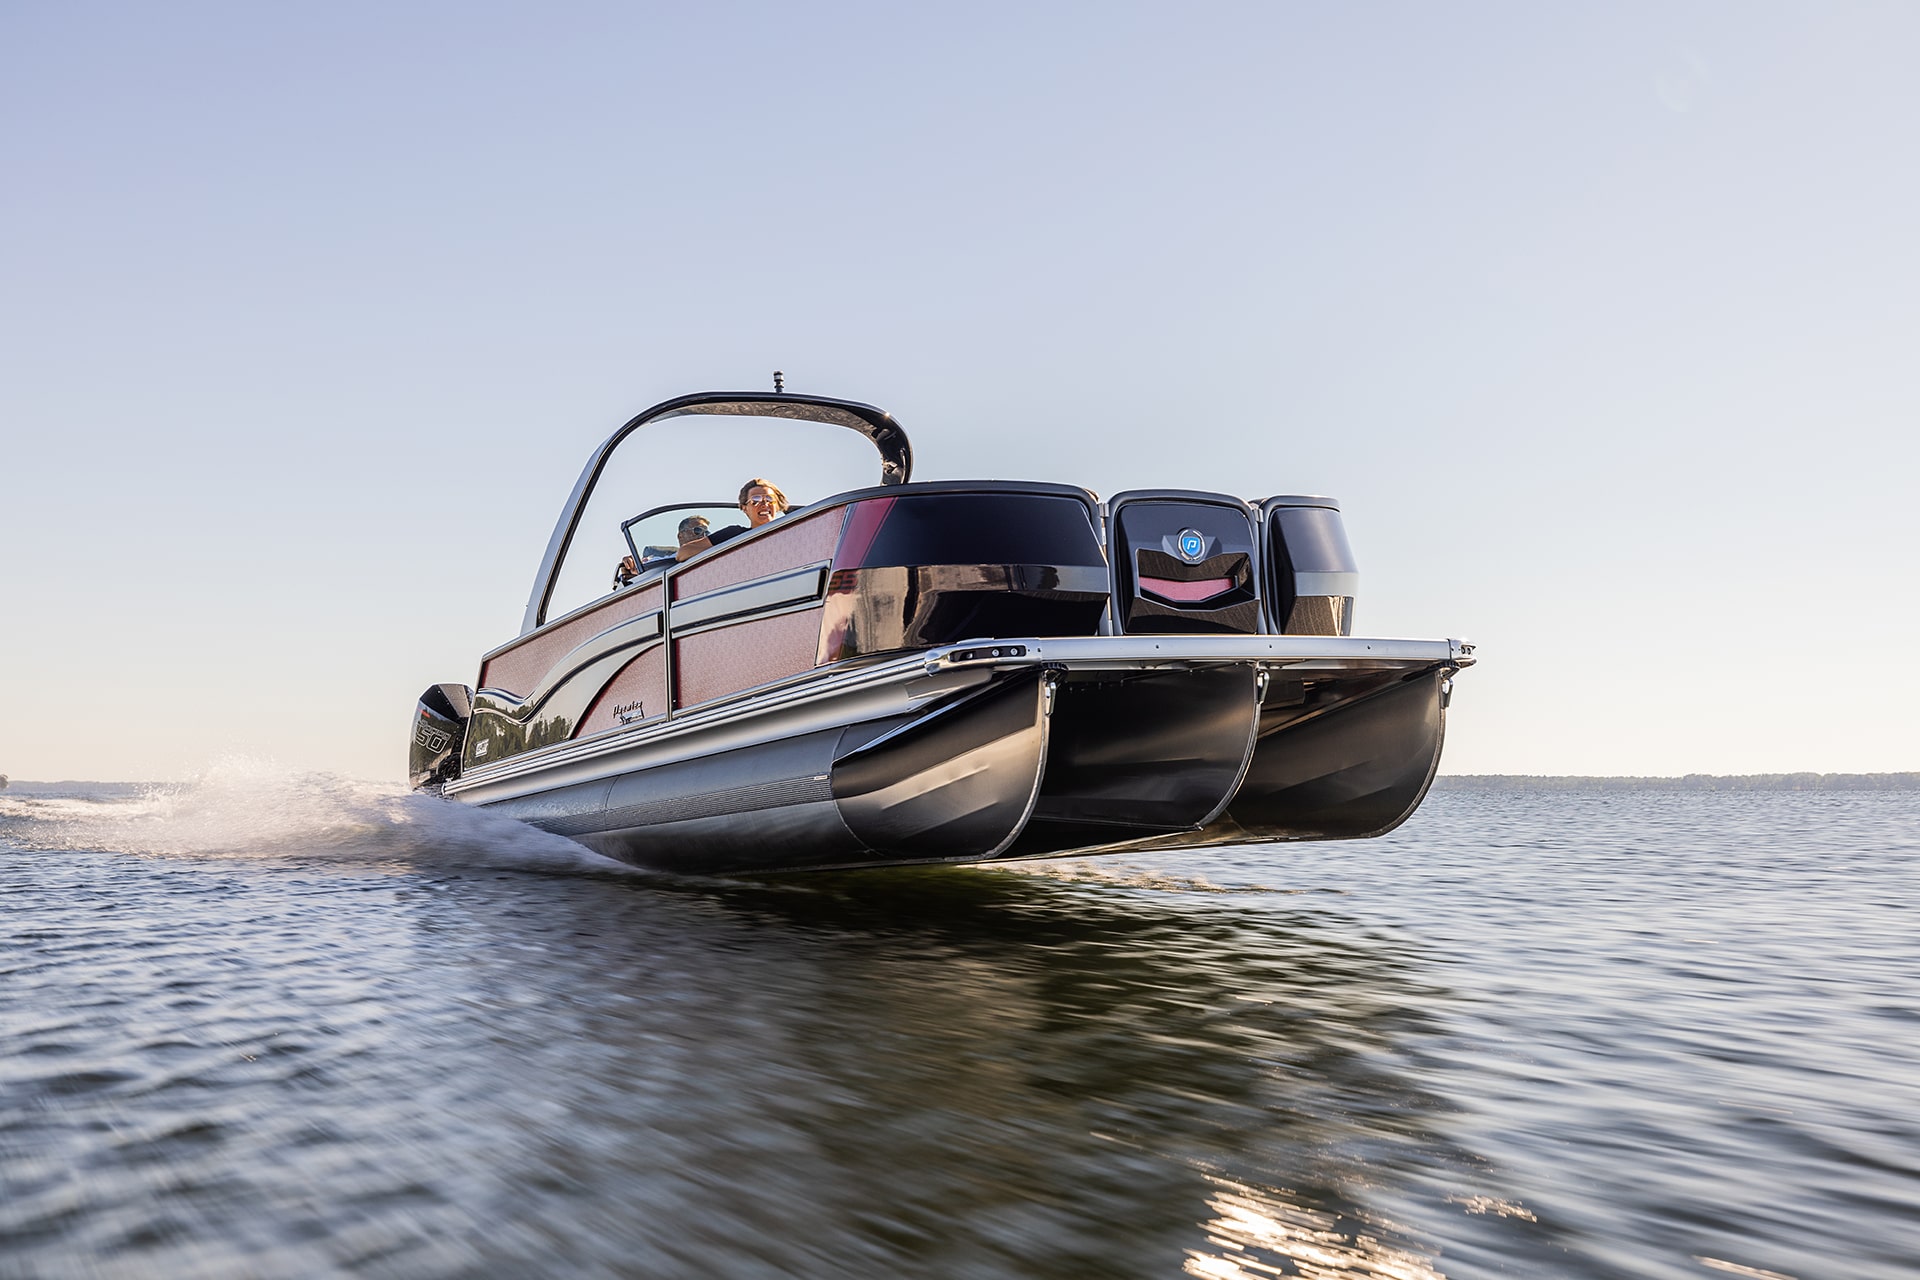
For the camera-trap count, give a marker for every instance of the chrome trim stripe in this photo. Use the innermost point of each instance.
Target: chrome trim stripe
(769, 596)
(1326, 584)
(686, 737)
(1246, 761)
(1151, 650)
(651, 579)
(803, 586)
(819, 699)
(830, 685)
(637, 633)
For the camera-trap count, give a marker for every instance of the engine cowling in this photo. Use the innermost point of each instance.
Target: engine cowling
(439, 731)
(1312, 579)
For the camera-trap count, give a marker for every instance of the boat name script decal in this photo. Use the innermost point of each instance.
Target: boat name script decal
(627, 712)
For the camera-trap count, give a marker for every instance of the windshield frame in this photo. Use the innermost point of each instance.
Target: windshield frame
(626, 526)
(878, 426)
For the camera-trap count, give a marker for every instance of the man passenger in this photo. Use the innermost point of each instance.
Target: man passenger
(695, 536)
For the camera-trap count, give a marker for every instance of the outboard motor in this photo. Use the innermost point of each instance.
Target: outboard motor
(439, 730)
(1312, 578)
(1184, 563)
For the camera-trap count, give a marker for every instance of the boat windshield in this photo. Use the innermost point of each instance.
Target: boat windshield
(695, 465)
(653, 537)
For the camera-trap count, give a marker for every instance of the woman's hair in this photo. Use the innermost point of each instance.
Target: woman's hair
(769, 486)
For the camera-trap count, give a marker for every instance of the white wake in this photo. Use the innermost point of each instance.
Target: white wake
(250, 808)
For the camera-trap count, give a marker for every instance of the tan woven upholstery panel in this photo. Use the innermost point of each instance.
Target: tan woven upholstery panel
(519, 669)
(726, 660)
(806, 540)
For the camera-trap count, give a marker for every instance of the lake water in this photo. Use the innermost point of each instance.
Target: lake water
(265, 1025)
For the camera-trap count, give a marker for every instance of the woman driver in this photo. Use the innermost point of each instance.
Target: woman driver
(762, 502)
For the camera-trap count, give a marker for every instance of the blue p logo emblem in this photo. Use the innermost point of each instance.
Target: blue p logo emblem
(1192, 545)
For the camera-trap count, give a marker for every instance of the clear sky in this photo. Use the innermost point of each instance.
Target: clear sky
(1602, 321)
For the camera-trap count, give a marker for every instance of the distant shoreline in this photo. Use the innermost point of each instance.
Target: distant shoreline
(1690, 782)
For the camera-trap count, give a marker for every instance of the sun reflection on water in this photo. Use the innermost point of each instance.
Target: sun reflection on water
(1261, 1235)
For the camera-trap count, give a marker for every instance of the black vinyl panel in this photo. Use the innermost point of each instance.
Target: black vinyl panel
(983, 528)
(882, 609)
(925, 569)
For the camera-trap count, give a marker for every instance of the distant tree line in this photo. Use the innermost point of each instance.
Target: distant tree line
(1691, 782)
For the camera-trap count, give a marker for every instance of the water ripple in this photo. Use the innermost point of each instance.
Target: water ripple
(341, 1029)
